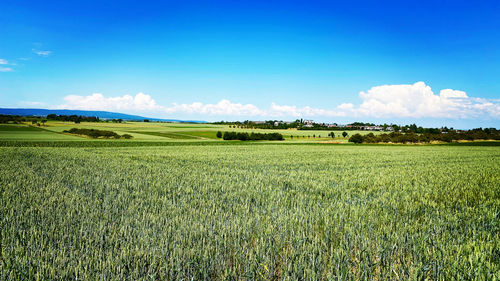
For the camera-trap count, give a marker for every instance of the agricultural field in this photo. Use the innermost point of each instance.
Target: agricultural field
(153, 131)
(291, 211)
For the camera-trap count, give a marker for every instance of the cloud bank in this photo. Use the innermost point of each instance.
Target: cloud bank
(141, 102)
(388, 101)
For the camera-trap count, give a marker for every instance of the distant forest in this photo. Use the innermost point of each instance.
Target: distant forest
(411, 137)
(246, 136)
(16, 119)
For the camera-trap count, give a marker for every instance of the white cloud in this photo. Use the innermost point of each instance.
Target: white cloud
(449, 93)
(141, 102)
(6, 69)
(307, 111)
(387, 101)
(224, 107)
(418, 101)
(42, 53)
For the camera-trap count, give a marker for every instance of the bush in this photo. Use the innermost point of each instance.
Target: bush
(93, 133)
(356, 138)
(219, 134)
(411, 137)
(252, 136)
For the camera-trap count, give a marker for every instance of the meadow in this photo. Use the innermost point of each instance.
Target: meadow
(153, 131)
(194, 209)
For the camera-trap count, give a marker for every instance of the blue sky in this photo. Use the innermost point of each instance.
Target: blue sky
(333, 61)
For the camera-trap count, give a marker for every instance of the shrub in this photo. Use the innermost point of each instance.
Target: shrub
(252, 136)
(94, 133)
(356, 138)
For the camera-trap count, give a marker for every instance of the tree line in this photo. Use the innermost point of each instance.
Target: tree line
(411, 137)
(73, 118)
(246, 136)
(94, 133)
(16, 119)
(300, 124)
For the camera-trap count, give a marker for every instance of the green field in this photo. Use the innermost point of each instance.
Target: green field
(197, 208)
(154, 131)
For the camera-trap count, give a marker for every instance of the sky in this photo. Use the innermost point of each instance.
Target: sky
(433, 63)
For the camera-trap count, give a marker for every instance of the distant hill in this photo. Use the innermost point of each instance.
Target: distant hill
(100, 114)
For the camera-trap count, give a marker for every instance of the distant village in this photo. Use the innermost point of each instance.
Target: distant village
(311, 124)
(306, 124)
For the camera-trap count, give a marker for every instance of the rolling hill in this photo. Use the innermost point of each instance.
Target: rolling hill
(100, 114)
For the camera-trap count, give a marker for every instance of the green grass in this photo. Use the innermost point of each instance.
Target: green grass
(153, 131)
(170, 135)
(18, 128)
(254, 212)
(203, 134)
(24, 132)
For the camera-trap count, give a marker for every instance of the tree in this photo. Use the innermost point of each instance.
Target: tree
(356, 138)
(219, 134)
(331, 134)
(344, 134)
(44, 121)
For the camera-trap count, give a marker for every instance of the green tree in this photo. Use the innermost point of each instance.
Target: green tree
(219, 134)
(356, 138)
(344, 134)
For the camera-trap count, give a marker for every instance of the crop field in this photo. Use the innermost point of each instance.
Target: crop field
(153, 131)
(249, 212)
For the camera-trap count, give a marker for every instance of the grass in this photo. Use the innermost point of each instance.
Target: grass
(203, 134)
(25, 132)
(246, 211)
(153, 131)
(170, 135)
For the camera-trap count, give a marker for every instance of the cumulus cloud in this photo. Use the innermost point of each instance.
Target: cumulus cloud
(140, 102)
(42, 53)
(224, 107)
(449, 93)
(306, 111)
(418, 100)
(3, 61)
(387, 101)
(6, 69)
